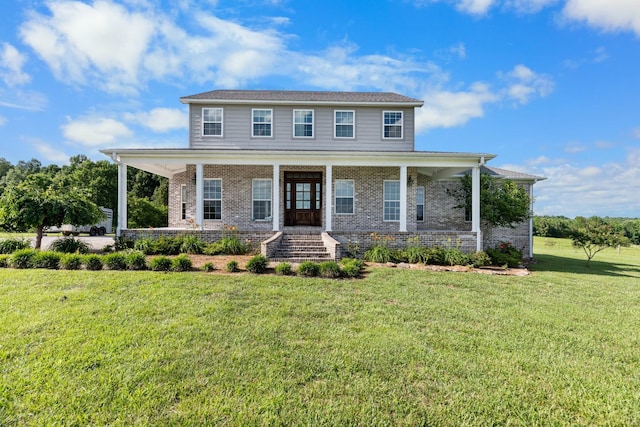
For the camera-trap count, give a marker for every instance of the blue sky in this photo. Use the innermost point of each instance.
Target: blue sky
(550, 86)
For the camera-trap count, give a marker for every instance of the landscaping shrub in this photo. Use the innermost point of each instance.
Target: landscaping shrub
(144, 245)
(257, 264)
(123, 243)
(167, 245)
(352, 267)
(71, 261)
(47, 259)
(379, 253)
(10, 245)
(208, 267)
(160, 263)
(479, 259)
(329, 270)
(181, 263)
(232, 246)
(23, 258)
(93, 262)
(135, 260)
(455, 257)
(232, 266)
(192, 245)
(4, 260)
(308, 269)
(69, 245)
(436, 256)
(115, 261)
(284, 269)
(415, 254)
(504, 254)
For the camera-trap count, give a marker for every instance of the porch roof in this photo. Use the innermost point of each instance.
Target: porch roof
(168, 162)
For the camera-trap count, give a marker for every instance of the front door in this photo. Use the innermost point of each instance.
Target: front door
(303, 198)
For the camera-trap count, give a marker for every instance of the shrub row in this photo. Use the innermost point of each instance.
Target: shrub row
(348, 267)
(229, 245)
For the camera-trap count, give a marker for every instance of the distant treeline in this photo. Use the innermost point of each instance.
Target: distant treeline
(560, 226)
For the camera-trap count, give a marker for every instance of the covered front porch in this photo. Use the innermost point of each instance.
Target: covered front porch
(302, 192)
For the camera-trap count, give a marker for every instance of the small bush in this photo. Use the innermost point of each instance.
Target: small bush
(208, 267)
(379, 253)
(455, 257)
(9, 246)
(144, 245)
(436, 256)
(192, 245)
(232, 266)
(23, 258)
(181, 263)
(329, 270)
(71, 261)
(69, 245)
(504, 254)
(351, 267)
(257, 264)
(284, 269)
(167, 245)
(308, 269)
(4, 260)
(93, 262)
(416, 254)
(115, 261)
(122, 243)
(47, 259)
(160, 263)
(479, 259)
(232, 246)
(136, 260)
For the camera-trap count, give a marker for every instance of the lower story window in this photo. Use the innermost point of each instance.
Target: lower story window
(344, 196)
(183, 202)
(261, 193)
(391, 201)
(420, 204)
(212, 199)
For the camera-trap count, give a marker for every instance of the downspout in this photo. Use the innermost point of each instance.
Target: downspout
(476, 191)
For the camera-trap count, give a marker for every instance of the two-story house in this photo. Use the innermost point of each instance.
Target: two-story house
(341, 164)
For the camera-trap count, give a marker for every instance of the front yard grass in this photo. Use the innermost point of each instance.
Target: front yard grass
(398, 347)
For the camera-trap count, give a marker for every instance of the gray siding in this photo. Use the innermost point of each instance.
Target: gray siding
(237, 130)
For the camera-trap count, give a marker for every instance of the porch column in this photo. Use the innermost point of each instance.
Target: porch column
(403, 198)
(328, 191)
(200, 196)
(122, 198)
(275, 198)
(475, 206)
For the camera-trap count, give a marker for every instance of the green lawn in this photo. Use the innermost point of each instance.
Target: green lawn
(399, 347)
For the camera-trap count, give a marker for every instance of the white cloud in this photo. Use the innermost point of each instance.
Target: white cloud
(161, 119)
(448, 109)
(23, 100)
(574, 148)
(524, 84)
(473, 7)
(529, 6)
(636, 133)
(608, 15)
(51, 153)
(95, 131)
(3, 120)
(609, 189)
(11, 63)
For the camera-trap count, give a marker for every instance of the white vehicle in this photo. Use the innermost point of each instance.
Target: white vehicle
(99, 229)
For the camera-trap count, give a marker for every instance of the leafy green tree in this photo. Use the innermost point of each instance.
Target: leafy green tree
(143, 214)
(39, 201)
(594, 234)
(503, 203)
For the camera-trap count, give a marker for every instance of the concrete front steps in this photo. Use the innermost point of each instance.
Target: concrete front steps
(300, 247)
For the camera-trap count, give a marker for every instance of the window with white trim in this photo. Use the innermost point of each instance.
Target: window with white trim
(212, 196)
(183, 201)
(391, 201)
(261, 195)
(344, 123)
(393, 124)
(261, 123)
(344, 196)
(212, 121)
(303, 123)
(420, 204)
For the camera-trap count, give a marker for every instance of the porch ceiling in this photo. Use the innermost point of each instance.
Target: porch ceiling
(168, 162)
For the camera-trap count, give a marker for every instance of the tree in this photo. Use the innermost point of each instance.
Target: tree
(503, 203)
(594, 234)
(38, 202)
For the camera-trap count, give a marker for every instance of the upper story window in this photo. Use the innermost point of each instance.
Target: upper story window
(212, 121)
(261, 122)
(392, 122)
(345, 124)
(303, 123)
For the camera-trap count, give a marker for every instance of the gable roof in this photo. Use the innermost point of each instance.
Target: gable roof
(301, 97)
(509, 174)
